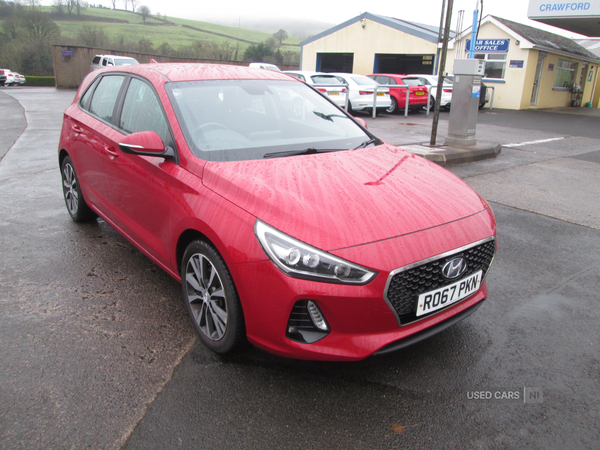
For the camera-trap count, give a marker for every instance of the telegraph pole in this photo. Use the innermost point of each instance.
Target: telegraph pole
(442, 65)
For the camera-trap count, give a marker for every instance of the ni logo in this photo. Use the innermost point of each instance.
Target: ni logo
(454, 268)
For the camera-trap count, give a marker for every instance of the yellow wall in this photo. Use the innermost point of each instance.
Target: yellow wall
(516, 92)
(365, 43)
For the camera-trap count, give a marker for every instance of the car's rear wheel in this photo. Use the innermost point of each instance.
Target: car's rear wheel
(393, 107)
(76, 205)
(211, 298)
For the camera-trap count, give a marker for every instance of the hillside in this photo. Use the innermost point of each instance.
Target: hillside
(120, 25)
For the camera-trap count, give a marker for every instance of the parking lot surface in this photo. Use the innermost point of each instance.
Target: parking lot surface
(97, 350)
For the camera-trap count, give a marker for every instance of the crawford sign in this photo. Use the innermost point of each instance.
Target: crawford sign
(489, 45)
(545, 8)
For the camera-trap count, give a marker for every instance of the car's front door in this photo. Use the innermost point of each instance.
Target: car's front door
(139, 188)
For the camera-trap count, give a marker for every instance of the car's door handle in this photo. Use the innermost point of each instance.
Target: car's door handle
(76, 129)
(111, 152)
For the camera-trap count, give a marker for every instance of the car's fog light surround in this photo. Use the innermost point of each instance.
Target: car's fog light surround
(307, 323)
(300, 260)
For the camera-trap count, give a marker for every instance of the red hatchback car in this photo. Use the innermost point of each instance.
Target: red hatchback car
(287, 222)
(417, 91)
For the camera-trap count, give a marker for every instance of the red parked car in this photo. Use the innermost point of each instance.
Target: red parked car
(417, 96)
(299, 231)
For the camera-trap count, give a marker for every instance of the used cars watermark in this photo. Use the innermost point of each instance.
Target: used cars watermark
(508, 395)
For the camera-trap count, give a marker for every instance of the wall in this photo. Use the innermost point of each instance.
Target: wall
(365, 43)
(69, 71)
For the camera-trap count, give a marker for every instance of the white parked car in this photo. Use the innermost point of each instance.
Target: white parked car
(256, 65)
(432, 81)
(361, 92)
(101, 61)
(11, 79)
(322, 82)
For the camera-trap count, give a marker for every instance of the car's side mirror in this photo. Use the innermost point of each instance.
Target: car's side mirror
(147, 143)
(362, 122)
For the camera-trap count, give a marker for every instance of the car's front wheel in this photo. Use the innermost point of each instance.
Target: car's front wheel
(76, 205)
(211, 298)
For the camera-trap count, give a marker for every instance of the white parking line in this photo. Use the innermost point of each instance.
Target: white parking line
(541, 141)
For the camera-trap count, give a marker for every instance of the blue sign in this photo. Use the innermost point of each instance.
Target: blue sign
(67, 52)
(490, 45)
(516, 64)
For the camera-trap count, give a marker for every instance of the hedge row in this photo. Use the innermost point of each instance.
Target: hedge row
(40, 81)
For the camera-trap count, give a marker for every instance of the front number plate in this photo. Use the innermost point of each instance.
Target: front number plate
(440, 298)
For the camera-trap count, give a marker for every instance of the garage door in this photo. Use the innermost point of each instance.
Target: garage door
(335, 62)
(398, 63)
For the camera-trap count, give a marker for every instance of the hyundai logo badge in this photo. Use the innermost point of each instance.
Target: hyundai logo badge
(454, 268)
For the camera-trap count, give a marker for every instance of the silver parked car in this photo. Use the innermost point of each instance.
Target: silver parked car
(101, 61)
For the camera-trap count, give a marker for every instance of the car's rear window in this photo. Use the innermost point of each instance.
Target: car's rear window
(325, 79)
(364, 81)
(412, 81)
(229, 120)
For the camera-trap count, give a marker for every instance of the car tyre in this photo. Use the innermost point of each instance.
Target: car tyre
(211, 298)
(393, 107)
(76, 205)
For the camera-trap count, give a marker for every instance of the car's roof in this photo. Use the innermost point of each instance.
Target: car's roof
(192, 72)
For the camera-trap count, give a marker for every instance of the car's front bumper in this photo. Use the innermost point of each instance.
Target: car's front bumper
(360, 320)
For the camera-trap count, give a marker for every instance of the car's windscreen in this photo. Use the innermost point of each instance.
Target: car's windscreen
(230, 120)
(125, 62)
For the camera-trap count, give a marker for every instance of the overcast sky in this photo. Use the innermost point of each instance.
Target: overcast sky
(423, 11)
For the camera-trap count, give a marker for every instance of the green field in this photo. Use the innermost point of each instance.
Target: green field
(158, 32)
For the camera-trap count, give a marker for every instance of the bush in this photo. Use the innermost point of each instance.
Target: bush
(40, 81)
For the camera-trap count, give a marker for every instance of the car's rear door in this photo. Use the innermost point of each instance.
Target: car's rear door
(91, 135)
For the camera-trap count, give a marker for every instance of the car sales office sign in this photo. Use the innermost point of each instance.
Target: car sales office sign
(489, 45)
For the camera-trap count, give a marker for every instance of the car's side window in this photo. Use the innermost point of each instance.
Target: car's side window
(142, 111)
(85, 98)
(105, 96)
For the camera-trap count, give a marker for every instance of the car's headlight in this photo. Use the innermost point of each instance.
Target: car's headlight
(301, 260)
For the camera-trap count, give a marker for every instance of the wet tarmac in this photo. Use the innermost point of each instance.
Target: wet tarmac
(97, 350)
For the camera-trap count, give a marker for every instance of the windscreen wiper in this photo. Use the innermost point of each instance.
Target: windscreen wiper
(369, 142)
(308, 151)
(328, 116)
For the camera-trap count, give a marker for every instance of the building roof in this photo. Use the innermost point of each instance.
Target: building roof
(426, 32)
(546, 39)
(534, 38)
(591, 44)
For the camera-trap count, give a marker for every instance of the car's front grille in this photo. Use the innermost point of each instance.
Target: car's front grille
(405, 285)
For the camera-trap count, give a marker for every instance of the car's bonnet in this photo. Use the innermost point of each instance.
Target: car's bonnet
(343, 199)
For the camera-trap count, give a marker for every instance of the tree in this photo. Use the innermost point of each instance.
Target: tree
(114, 3)
(126, 2)
(92, 35)
(257, 52)
(281, 36)
(144, 11)
(59, 6)
(134, 4)
(165, 49)
(145, 45)
(39, 25)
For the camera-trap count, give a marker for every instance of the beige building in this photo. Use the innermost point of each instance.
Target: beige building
(528, 67)
(371, 43)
